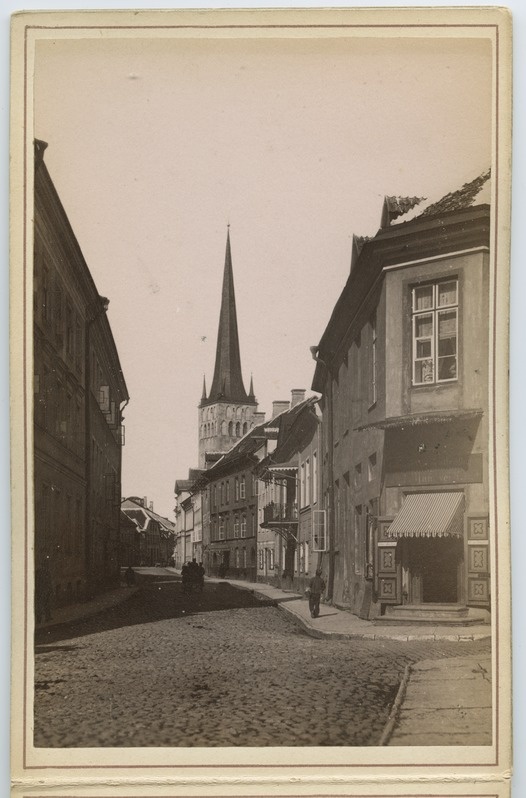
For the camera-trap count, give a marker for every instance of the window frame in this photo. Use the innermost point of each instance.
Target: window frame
(434, 312)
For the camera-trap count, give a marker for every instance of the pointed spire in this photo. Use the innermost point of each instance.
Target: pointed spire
(251, 396)
(203, 397)
(228, 381)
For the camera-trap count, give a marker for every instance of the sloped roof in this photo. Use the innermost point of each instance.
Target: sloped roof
(142, 515)
(472, 192)
(397, 206)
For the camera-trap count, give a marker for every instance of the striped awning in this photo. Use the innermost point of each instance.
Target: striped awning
(429, 515)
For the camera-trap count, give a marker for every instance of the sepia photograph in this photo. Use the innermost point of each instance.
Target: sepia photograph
(262, 391)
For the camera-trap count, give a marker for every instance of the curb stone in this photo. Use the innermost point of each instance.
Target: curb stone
(395, 709)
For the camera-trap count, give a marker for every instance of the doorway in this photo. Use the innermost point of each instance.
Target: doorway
(432, 569)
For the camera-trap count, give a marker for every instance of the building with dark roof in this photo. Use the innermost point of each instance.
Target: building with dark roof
(80, 393)
(403, 371)
(155, 533)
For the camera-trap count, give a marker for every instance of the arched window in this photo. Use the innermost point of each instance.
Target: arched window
(223, 428)
(230, 428)
(238, 429)
(245, 428)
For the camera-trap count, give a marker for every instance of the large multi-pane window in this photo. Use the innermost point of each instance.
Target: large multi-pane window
(435, 332)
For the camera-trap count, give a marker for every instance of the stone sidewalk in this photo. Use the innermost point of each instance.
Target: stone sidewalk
(443, 702)
(335, 623)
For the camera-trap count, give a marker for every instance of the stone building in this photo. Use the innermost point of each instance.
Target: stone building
(289, 549)
(403, 371)
(156, 533)
(79, 396)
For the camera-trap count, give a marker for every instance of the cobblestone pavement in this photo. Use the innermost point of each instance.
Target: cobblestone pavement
(217, 669)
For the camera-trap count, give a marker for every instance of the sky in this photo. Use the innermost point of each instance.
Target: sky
(156, 145)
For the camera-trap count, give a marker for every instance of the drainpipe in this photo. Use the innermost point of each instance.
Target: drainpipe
(330, 473)
(90, 319)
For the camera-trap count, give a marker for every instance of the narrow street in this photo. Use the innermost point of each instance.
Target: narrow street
(219, 668)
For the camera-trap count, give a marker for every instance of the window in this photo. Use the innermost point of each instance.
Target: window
(319, 534)
(237, 489)
(221, 530)
(236, 527)
(435, 332)
(314, 477)
(237, 558)
(242, 488)
(271, 562)
(302, 485)
(373, 384)
(358, 569)
(357, 475)
(227, 492)
(307, 481)
(244, 558)
(372, 467)
(243, 526)
(261, 559)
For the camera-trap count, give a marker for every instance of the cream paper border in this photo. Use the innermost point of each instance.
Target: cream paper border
(250, 769)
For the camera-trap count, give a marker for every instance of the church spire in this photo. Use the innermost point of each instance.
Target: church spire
(203, 397)
(251, 397)
(227, 384)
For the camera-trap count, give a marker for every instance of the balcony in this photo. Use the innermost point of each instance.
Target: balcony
(280, 514)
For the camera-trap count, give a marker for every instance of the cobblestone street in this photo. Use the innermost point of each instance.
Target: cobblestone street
(214, 669)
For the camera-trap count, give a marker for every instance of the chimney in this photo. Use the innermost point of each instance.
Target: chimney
(297, 396)
(145, 502)
(150, 506)
(279, 406)
(259, 418)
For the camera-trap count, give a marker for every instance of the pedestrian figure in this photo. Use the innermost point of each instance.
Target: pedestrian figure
(129, 576)
(43, 593)
(316, 588)
(201, 571)
(185, 574)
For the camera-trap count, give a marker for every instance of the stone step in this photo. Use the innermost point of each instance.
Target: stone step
(433, 614)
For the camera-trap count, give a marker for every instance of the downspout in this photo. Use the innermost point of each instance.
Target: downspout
(87, 438)
(119, 482)
(330, 474)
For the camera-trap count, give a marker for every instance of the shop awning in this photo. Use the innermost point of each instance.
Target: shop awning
(429, 515)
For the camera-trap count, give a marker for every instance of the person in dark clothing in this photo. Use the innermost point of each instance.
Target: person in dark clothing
(185, 573)
(316, 588)
(129, 576)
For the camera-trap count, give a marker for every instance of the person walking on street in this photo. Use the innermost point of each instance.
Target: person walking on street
(316, 588)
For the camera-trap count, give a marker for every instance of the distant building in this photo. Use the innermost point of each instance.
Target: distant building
(79, 396)
(288, 548)
(156, 533)
(403, 371)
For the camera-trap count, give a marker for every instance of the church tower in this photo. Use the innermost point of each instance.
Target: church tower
(228, 412)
